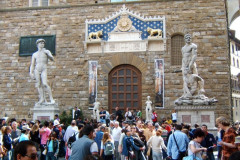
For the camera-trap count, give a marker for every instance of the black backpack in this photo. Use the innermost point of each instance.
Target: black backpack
(138, 142)
(71, 140)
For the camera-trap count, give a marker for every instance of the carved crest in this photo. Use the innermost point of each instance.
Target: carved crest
(125, 21)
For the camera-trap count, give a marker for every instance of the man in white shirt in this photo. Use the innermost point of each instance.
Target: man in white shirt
(128, 115)
(70, 131)
(174, 116)
(116, 133)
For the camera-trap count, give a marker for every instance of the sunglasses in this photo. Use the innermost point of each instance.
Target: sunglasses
(32, 156)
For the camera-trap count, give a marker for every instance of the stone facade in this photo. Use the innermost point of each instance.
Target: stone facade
(68, 75)
(235, 70)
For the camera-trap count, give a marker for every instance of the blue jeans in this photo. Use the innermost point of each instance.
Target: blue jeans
(50, 156)
(116, 153)
(8, 156)
(157, 155)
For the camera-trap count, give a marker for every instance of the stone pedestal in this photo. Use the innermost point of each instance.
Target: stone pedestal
(45, 111)
(196, 114)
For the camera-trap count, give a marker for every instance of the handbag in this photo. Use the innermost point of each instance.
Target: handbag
(180, 154)
(149, 151)
(45, 151)
(131, 155)
(3, 151)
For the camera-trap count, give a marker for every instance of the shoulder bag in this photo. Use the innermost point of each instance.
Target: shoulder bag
(180, 154)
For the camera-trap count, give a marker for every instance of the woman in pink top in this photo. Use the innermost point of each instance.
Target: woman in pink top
(44, 134)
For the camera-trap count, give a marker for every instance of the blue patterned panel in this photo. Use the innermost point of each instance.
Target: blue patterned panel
(137, 23)
(143, 25)
(106, 27)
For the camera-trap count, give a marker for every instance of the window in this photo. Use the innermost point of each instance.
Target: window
(34, 3)
(44, 2)
(37, 3)
(232, 48)
(123, 0)
(177, 42)
(233, 62)
(236, 47)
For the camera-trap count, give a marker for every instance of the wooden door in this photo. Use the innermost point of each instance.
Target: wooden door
(125, 89)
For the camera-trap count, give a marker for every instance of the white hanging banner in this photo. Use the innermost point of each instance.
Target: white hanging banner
(159, 83)
(92, 82)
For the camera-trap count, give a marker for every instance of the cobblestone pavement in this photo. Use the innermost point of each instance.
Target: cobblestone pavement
(215, 155)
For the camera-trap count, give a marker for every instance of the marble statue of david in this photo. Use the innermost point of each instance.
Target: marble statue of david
(38, 71)
(148, 110)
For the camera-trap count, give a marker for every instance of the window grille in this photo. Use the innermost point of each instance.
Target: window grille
(177, 42)
(44, 2)
(34, 3)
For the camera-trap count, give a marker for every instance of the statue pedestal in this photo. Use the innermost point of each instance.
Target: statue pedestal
(196, 114)
(45, 111)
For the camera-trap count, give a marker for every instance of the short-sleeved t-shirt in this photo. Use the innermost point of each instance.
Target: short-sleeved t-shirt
(197, 145)
(94, 147)
(23, 137)
(45, 135)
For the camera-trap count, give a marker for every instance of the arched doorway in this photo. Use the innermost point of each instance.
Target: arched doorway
(125, 89)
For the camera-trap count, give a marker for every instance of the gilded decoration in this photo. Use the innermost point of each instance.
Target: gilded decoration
(154, 32)
(124, 24)
(95, 35)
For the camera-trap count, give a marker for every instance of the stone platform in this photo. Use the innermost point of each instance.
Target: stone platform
(45, 111)
(196, 114)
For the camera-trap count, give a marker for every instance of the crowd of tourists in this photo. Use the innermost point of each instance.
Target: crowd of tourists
(126, 137)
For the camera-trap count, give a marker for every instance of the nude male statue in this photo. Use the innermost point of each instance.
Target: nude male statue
(189, 55)
(38, 71)
(192, 83)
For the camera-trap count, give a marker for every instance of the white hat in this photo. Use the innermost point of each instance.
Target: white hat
(25, 127)
(56, 122)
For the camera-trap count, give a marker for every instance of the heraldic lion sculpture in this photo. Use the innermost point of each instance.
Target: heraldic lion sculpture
(96, 35)
(154, 32)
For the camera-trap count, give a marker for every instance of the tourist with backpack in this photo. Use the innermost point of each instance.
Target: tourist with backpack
(107, 147)
(128, 115)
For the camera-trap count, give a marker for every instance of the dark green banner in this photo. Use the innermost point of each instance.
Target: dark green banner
(28, 44)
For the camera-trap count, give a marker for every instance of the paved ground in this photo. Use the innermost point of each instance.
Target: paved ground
(215, 154)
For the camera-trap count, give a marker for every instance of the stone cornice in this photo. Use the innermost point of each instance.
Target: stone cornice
(124, 9)
(82, 5)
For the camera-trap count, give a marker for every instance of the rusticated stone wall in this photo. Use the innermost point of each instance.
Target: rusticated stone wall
(68, 75)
